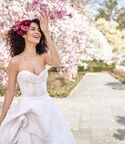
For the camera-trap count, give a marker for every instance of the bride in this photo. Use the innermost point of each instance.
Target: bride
(34, 119)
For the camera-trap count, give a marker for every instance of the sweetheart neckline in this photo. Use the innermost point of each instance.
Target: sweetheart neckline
(37, 75)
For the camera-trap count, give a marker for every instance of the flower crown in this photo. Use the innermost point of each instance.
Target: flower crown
(21, 27)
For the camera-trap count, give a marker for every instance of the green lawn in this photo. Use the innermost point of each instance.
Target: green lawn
(58, 86)
(118, 75)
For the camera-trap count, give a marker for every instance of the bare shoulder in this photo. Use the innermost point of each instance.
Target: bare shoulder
(46, 55)
(14, 63)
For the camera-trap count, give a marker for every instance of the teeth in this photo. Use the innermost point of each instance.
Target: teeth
(36, 36)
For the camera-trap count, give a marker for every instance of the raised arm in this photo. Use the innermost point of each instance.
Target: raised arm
(51, 58)
(12, 72)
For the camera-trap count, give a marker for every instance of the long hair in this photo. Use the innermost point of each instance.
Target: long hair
(17, 42)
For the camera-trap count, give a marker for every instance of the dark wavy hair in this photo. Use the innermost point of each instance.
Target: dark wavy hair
(17, 42)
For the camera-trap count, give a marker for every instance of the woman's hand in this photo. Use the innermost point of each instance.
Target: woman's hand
(44, 22)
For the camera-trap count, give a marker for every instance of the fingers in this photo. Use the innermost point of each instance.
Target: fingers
(41, 18)
(43, 21)
(44, 15)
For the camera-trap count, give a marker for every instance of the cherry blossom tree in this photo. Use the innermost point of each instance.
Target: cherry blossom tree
(71, 37)
(15, 10)
(71, 30)
(68, 27)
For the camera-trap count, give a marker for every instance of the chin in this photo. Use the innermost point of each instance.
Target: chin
(36, 42)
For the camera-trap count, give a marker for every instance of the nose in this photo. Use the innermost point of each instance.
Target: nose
(37, 32)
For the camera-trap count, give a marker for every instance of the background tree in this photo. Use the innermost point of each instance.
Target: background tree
(111, 32)
(107, 10)
(120, 18)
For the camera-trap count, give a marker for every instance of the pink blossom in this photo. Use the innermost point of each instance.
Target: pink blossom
(57, 14)
(3, 78)
(5, 82)
(1, 24)
(44, 7)
(35, 4)
(1, 74)
(70, 15)
(72, 4)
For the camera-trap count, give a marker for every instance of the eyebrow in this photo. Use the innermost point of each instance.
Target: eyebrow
(33, 27)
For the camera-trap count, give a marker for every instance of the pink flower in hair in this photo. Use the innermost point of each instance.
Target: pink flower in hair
(21, 27)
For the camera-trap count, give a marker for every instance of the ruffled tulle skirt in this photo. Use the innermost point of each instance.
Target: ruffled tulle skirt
(35, 120)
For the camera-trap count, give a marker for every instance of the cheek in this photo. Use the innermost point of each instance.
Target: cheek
(29, 36)
(29, 33)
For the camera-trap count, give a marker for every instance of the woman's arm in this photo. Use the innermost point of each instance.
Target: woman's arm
(12, 72)
(52, 58)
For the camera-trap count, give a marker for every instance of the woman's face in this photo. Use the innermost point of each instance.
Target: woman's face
(33, 34)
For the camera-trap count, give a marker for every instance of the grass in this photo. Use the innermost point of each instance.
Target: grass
(97, 66)
(59, 87)
(2, 90)
(118, 75)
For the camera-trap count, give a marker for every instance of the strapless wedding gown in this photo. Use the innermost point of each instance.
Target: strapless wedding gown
(34, 119)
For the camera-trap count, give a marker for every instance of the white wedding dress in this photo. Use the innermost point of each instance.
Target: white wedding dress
(34, 119)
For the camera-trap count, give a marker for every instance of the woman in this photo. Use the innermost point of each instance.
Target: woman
(34, 119)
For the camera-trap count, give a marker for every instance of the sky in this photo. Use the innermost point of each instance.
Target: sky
(121, 3)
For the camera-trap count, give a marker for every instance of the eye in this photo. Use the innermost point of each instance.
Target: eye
(32, 29)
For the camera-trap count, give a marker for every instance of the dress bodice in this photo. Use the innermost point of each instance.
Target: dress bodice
(34, 119)
(31, 84)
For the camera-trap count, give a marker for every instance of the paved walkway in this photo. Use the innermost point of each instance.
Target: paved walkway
(95, 110)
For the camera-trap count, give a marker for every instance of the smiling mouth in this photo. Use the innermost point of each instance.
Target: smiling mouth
(36, 36)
